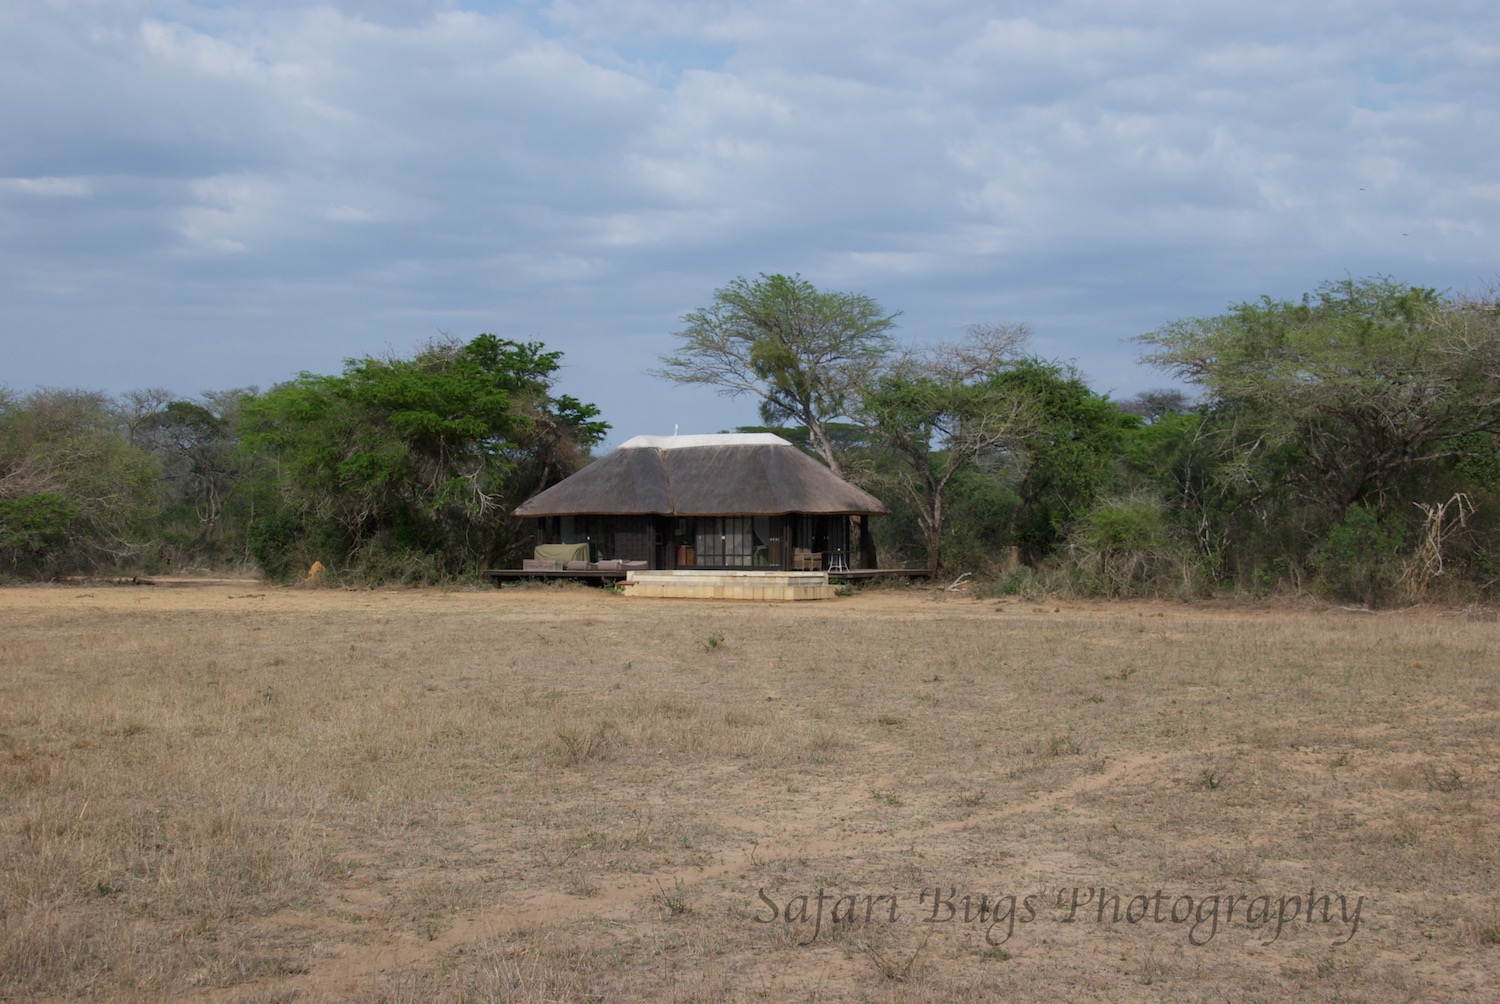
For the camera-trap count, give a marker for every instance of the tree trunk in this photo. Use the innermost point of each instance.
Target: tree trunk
(822, 445)
(935, 535)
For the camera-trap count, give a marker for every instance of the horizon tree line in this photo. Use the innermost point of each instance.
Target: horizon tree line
(1347, 442)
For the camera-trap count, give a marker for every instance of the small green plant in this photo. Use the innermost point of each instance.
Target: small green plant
(890, 720)
(671, 902)
(714, 642)
(995, 954)
(1210, 779)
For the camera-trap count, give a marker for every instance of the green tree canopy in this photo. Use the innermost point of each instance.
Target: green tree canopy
(74, 494)
(937, 413)
(1072, 454)
(1365, 379)
(804, 352)
(414, 460)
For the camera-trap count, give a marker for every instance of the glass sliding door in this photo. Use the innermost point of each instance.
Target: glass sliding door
(723, 542)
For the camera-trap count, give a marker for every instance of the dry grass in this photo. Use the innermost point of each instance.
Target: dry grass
(219, 791)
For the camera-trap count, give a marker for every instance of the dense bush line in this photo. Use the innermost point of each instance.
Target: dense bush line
(1346, 444)
(395, 470)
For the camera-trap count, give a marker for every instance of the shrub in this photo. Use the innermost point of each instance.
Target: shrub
(1123, 545)
(31, 524)
(1359, 558)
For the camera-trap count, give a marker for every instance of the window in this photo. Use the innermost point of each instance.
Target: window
(724, 540)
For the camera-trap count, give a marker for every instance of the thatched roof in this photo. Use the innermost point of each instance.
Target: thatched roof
(747, 474)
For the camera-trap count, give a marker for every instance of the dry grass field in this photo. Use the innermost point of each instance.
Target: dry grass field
(224, 791)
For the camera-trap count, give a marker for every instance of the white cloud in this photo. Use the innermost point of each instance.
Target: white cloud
(203, 55)
(72, 188)
(310, 183)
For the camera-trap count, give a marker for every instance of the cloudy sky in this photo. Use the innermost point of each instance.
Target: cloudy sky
(204, 194)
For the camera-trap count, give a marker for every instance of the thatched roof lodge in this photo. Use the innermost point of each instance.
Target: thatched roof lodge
(749, 500)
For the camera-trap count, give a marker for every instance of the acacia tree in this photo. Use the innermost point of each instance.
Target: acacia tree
(942, 410)
(406, 466)
(1152, 405)
(1365, 380)
(803, 352)
(74, 494)
(203, 470)
(1327, 423)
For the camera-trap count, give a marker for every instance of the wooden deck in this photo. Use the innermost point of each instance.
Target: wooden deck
(499, 576)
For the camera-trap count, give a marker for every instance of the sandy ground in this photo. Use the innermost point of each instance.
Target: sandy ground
(220, 790)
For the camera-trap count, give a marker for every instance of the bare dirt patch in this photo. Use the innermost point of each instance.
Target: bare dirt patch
(219, 790)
